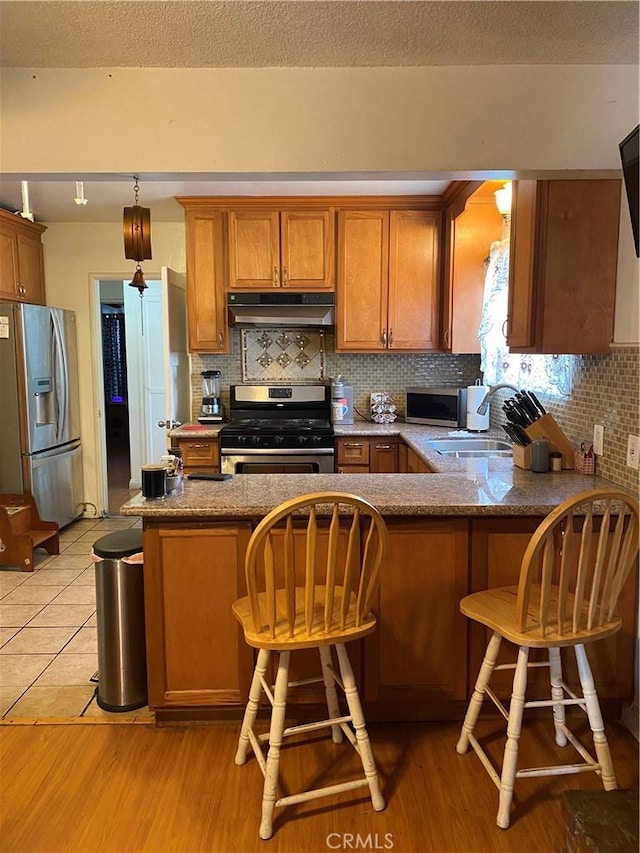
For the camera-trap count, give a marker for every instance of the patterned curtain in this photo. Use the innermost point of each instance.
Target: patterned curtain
(114, 357)
(552, 375)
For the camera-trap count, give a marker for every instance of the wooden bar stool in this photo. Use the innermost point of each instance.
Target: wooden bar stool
(311, 602)
(571, 576)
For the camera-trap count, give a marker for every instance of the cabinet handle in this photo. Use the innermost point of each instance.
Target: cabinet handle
(197, 446)
(504, 328)
(384, 337)
(285, 277)
(384, 447)
(220, 338)
(390, 337)
(351, 444)
(446, 337)
(276, 280)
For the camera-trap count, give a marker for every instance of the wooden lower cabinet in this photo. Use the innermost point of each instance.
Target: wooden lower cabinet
(361, 455)
(422, 660)
(196, 655)
(201, 454)
(416, 465)
(416, 660)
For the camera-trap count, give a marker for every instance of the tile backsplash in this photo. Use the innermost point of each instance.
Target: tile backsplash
(606, 390)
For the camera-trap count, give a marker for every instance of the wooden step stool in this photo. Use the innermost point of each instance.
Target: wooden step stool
(22, 530)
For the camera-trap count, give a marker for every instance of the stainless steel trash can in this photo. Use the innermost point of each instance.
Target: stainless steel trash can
(122, 666)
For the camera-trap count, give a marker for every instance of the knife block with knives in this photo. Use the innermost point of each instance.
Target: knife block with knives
(528, 420)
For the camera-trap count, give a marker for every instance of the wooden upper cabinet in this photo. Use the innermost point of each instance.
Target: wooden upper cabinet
(206, 308)
(289, 249)
(388, 280)
(414, 280)
(21, 259)
(563, 266)
(472, 224)
(363, 276)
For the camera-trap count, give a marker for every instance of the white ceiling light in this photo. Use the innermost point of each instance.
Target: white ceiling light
(26, 209)
(80, 199)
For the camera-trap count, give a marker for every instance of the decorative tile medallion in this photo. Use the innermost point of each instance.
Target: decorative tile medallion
(282, 355)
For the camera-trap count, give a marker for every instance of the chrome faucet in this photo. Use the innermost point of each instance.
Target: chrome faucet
(484, 405)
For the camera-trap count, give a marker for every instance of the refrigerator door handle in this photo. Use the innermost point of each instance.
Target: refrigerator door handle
(60, 393)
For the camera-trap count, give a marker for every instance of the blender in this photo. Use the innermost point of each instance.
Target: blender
(211, 409)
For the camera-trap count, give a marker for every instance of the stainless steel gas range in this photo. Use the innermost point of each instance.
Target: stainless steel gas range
(278, 429)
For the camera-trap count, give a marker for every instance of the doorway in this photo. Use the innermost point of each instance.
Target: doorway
(142, 380)
(120, 365)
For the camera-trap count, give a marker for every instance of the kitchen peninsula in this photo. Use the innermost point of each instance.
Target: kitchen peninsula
(461, 529)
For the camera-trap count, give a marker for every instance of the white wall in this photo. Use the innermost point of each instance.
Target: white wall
(73, 253)
(129, 120)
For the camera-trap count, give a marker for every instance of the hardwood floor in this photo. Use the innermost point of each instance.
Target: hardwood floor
(134, 787)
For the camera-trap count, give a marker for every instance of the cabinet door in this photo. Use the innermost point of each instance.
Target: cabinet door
(200, 454)
(563, 266)
(254, 249)
(416, 465)
(416, 658)
(196, 655)
(522, 250)
(363, 275)
(414, 280)
(31, 269)
(307, 249)
(8, 264)
(353, 451)
(208, 330)
(383, 457)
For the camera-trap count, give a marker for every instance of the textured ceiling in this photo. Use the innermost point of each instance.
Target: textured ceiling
(315, 33)
(298, 33)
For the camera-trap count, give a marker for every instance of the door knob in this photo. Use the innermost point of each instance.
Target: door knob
(169, 424)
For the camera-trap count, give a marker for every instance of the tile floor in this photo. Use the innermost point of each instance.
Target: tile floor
(48, 639)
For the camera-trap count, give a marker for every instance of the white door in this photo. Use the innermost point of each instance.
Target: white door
(159, 366)
(177, 404)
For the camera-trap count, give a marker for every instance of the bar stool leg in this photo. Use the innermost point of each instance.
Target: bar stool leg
(600, 742)
(557, 693)
(275, 741)
(514, 726)
(362, 738)
(475, 703)
(251, 710)
(330, 691)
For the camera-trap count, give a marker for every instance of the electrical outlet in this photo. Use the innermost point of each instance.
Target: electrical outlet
(633, 447)
(598, 439)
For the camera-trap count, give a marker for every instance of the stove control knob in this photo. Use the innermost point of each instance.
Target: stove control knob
(315, 439)
(242, 439)
(278, 440)
(302, 439)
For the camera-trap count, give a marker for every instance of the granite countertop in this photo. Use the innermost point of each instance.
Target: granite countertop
(461, 487)
(197, 430)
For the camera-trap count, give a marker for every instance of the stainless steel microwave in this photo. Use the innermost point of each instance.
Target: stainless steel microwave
(436, 406)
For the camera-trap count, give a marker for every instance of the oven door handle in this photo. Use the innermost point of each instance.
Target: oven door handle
(277, 451)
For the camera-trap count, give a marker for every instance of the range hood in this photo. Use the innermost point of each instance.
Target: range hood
(281, 309)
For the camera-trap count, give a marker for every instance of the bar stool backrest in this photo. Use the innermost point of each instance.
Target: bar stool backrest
(580, 556)
(345, 581)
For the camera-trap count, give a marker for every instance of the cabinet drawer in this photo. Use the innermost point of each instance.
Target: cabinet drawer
(353, 451)
(199, 452)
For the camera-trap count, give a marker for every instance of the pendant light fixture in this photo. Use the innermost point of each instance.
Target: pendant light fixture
(136, 224)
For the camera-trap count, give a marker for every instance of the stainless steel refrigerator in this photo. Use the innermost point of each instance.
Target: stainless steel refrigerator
(40, 448)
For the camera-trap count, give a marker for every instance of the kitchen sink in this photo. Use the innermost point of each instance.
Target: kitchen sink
(476, 454)
(469, 448)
